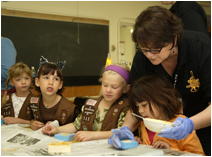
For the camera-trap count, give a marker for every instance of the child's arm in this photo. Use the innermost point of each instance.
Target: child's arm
(13, 120)
(130, 121)
(51, 130)
(92, 135)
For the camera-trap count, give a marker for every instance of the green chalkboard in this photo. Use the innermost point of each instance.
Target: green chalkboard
(58, 40)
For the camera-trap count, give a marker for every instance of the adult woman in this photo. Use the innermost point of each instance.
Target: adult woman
(185, 58)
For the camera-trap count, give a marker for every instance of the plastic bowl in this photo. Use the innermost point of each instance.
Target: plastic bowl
(156, 125)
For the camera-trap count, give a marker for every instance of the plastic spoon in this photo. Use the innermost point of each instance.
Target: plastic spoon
(154, 125)
(138, 116)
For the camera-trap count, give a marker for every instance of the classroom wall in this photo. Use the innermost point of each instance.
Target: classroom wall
(129, 46)
(109, 10)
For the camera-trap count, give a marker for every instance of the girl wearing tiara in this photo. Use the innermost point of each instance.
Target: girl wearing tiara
(101, 115)
(50, 105)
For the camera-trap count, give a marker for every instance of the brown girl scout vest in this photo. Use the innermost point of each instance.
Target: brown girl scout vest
(8, 110)
(64, 114)
(111, 118)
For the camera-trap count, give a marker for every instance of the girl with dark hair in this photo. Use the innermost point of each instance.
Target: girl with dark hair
(50, 105)
(153, 96)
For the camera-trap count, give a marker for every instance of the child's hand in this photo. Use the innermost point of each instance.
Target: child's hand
(49, 122)
(35, 125)
(49, 130)
(84, 135)
(10, 120)
(161, 144)
(138, 139)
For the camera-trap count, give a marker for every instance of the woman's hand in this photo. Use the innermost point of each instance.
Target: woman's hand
(182, 127)
(138, 139)
(161, 144)
(49, 130)
(85, 135)
(35, 125)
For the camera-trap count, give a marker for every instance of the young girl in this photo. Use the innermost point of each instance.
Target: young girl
(153, 96)
(50, 105)
(99, 116)
(14, 106)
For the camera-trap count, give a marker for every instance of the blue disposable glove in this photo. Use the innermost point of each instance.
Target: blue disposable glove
(182, 127)
(120, 134)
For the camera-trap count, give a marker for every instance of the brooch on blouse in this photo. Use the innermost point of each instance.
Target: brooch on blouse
(194, 84)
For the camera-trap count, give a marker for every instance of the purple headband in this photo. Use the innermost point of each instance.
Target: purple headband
(121, 71)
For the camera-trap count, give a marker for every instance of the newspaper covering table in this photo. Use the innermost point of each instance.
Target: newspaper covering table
(20, 140)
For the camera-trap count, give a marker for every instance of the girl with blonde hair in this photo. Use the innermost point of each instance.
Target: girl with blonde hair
(14, 106)
(107, 112)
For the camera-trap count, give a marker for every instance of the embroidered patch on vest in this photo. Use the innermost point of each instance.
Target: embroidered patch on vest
(115, 110)
(63, 115)
(34, 100)
(85, 128)
(89, 110)
(87, 119)
(194, 84)
(34, 107)
(114, 113)
(35, 116)
(8, 104)
(6, 107)
(91, 102)
(120, 102)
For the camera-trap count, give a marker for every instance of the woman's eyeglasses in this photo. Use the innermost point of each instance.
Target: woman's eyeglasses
(145, 51)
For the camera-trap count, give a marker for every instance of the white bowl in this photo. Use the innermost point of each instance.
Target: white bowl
(156, 125)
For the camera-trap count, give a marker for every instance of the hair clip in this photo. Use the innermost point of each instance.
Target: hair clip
(43, 61)
(60, 64)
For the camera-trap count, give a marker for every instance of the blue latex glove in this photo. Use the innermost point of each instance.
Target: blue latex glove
(120, 134)
(182, 127)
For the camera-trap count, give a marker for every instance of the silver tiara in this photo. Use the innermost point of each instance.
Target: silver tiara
(43, 61)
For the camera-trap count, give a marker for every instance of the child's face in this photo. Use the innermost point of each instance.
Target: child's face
(49, 84)
(144, 111)
(113, 86)
(21, 83)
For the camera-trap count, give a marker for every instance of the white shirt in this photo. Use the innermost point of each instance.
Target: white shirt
(17, 103)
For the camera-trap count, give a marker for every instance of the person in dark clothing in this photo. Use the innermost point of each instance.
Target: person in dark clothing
(192, 14)
(184, 57)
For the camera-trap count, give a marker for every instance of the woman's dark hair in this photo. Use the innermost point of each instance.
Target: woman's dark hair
(157, 26)
(157, 90)
(50, 68)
